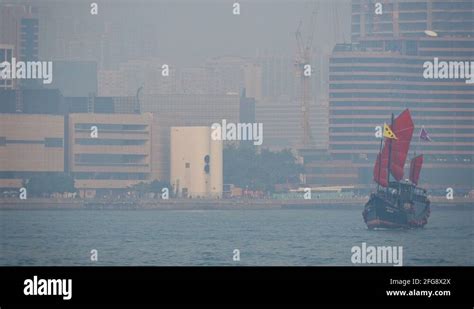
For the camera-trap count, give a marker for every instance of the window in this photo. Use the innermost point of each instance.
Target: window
(109, 142)
(53, 142)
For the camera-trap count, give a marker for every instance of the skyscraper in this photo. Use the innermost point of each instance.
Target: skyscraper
(19, 27)
(382, 72)
(6, 54)
(411, 18)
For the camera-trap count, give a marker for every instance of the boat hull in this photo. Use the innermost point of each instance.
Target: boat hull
(390, 213)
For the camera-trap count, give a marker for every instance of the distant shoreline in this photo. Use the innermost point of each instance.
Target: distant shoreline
(204, 204)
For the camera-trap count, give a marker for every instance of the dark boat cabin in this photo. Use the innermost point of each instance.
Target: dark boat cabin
(407, 191)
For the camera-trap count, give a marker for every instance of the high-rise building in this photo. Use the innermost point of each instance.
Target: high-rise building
(29, 38)
(366, 87)
(230, 75)
(281, 120)
(281, 97)
(278, 75)
(383, 73)
(19, 26)
(253, 80)
(247, 108)
(226, 74)
(410, 18)
(6, 55)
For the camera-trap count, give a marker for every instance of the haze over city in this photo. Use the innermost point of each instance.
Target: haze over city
(292, 106)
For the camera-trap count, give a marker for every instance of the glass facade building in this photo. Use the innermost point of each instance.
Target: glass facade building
(382, 72)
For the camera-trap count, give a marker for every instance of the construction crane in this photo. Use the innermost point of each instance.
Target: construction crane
(303, 58)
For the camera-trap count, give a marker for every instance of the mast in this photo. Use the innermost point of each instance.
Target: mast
(379, 157)
(389, 154)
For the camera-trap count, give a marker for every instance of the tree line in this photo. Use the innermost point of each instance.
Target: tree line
(249, 169)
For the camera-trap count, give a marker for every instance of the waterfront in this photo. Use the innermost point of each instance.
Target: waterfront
(208, 237)
(205, 204)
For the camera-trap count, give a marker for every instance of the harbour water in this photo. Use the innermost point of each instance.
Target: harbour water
(316, 237)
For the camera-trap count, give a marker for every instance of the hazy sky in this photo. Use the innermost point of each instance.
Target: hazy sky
(189, 32)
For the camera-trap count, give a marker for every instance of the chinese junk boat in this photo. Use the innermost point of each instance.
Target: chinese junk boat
(397, 203)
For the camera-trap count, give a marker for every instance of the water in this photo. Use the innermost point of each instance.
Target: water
(208, 237)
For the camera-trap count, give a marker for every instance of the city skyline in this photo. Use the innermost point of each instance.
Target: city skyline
(237, 133)
(364, 66)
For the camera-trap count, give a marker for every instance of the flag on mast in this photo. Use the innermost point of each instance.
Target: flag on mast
(424, 135)
(387, 132)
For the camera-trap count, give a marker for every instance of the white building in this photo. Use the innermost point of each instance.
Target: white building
(196, 163)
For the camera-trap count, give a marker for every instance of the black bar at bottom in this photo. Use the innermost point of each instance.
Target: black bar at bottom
(241, 285)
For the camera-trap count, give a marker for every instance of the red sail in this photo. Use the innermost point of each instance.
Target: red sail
(415, 168)
(380, 170)
(403, 128)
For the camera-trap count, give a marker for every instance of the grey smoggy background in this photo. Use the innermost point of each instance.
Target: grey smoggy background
(190, 34)
(186, 32)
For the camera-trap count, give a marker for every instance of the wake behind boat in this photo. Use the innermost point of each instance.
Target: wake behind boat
(397, 203)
